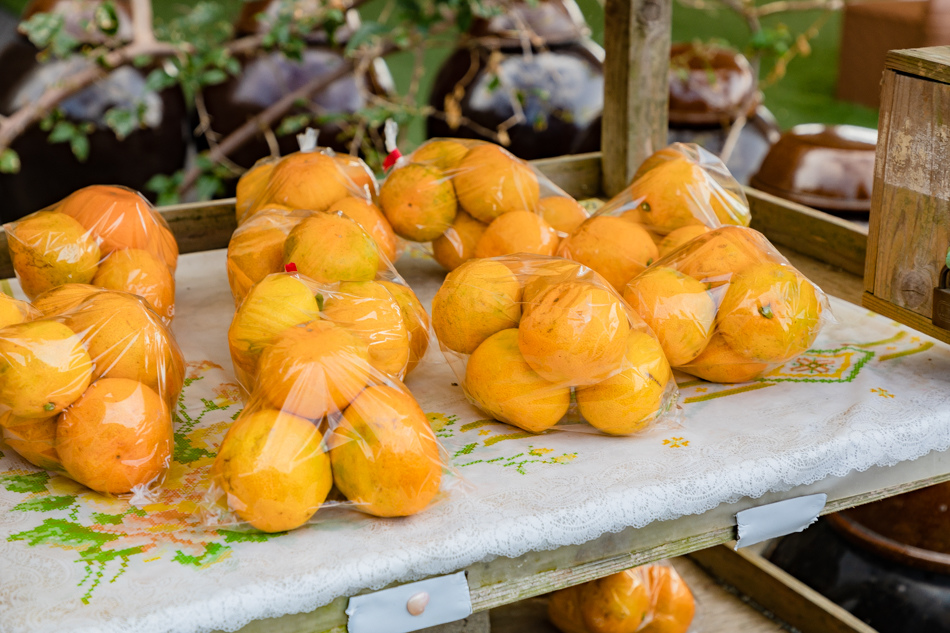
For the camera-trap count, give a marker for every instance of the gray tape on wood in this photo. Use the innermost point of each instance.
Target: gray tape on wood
(386, 611)
(778, 519)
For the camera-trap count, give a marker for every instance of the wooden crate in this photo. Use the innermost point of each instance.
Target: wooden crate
(909, 231)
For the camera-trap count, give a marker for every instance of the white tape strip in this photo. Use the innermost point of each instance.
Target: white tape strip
(778, 519)
(411, 607)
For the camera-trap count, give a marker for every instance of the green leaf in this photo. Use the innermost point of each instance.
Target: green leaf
(363, 35)
(213, 76)
(62, 131)
(159, 80)
(293, 123)
(80, 146)
(106, 18)
(207, 186)
(121, 121)
(45, 504)
(9, 161)
(41, 28)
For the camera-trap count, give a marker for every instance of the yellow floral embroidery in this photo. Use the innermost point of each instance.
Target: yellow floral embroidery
(884, 393)
(676, 442)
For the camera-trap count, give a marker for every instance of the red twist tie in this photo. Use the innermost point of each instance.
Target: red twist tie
(392, 158)
(290, 268)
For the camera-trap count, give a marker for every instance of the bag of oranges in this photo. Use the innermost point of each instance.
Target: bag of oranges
(475, 199)
(321, 363)
(87, 388)
(648, 599)
(728, 307)
(103, 235)
(312, 179)
(536, 340)
(678, 193)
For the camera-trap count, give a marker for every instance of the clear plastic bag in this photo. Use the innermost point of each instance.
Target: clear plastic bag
(538, 340)
(678, 193)
(103, 235)
(475, 199)
(88, 391)
(648, 599)
(728, 307)
(326, 410)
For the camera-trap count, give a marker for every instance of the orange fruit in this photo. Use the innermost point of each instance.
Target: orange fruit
(117, 436)
(729, 207)
(673, 194)
(678, 309)
(564, 610)
(770, 313)
(139, 272)
(680, 236)
(477, 299)
(61, 299)
(575, 333)
(13, 311)
(542, 274)
(127, 340)
(656, 159)
(251, 186)
(633, 397)
(44, 368)
(618, 603)
(714, 258)
(33, 438)
(502, 384)
(457, 245)
(720, 363)
(277, 302)
(563, 213)
(357, 176)
(517, 232)
(418, 201)
(673, 603)
(384, 454)
(369, 311)
(372, 220)
(416, 319)
(49, 249)
(257, 249)
(329, 248)
(613, 247)
(305, 180)
(120, 218)
(491, 182)
(273, 467)
(443, 154)
(313, 369)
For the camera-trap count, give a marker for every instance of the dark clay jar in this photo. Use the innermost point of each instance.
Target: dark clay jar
(886, 562)
(555, 75)
(50, 172)
(266, 77)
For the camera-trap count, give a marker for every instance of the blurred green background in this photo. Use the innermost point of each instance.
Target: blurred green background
(805, 94)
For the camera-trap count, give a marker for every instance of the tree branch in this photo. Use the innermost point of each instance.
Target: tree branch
(142, 29)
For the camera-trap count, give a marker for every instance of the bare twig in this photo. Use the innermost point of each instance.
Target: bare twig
(783, 6)
(142, 30)
(732, 138)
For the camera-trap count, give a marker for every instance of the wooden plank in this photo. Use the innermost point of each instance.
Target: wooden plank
(578, 175)
(775, 590)
(877, 191)
(201, 226)
(914, 203)
(905, 316)
(636, 86)
(506, 580)
(932, 63)
(808, 231)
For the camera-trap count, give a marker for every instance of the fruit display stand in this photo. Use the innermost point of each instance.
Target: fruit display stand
(862, 416)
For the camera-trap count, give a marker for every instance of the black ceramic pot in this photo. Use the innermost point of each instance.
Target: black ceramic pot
(554, 76)
(887, 562)
(50, 172)
(268, 76)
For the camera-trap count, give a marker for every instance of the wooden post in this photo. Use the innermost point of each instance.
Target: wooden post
(636, 86)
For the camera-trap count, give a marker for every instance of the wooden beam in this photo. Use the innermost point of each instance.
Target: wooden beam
(636, 86)
(932, 63)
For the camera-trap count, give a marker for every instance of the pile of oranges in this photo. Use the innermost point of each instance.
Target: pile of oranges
(322, 364)
(102, 235)
(536, 333)
(474, 199)
(648, 599)
(88, 378)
